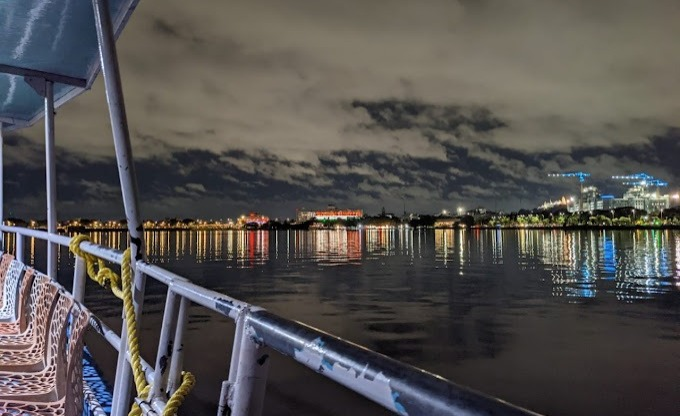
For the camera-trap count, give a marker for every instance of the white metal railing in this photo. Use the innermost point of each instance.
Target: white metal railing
(401, 388)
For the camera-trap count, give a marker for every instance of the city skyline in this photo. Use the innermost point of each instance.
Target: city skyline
(457, 103)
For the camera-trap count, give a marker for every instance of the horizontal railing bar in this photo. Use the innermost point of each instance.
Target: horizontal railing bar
(106, 253)
(397, 386)
(210, 299)
(43, 235)
(114, 340)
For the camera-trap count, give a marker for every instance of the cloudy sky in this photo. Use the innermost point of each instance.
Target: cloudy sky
(270, 105)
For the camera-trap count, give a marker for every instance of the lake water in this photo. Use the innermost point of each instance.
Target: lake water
(561, 322)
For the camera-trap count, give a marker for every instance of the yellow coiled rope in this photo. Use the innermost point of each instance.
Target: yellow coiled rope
(122, 289)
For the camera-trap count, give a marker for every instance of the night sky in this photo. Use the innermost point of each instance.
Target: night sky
(270, 105)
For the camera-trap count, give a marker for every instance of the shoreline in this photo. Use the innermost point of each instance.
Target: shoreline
(474, 227)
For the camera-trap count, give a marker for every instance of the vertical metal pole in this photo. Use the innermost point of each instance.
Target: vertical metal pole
(128, 184)
(19, 252)
(236, 349)
(228, 385)
(164, 353)
(223, 405)
(175, 375)
(79, 279)
(251, 378)
(51, 179)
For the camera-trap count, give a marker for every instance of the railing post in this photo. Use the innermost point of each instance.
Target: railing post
(228, 385)
(236, 348)
(51, 179)
(79, 279)
(175, 375)
(164, 353)
(128, 184)
(19, 251)
(251, 377)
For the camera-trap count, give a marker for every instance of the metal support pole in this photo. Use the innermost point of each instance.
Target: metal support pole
(51, 179)
(251, 378)
(164, 345)
(128, 184)
(228, 385)
(79, 279)
(19, 251)
(226, 396)
(223, 405)
(236, 349)
(175, 375)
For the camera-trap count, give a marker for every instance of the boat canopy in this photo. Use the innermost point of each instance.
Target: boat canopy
(48, 40)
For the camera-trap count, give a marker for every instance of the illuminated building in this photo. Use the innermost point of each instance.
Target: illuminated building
(560, 203)
(329, 214)
(253, 219)
(636, 197)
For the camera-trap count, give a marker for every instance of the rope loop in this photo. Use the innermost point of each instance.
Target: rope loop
(121, 286)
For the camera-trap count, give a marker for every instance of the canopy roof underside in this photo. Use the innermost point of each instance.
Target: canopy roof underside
(50, 39)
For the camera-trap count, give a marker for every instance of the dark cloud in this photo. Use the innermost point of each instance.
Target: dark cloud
(399, 114)
(219, 185)
(273, 105)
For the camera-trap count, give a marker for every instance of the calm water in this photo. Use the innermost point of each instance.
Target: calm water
(562, 322)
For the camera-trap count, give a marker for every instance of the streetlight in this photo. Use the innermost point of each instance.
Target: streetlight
(445, 212)
(460, 210)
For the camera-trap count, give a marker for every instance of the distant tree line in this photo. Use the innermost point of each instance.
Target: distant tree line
(621, 217)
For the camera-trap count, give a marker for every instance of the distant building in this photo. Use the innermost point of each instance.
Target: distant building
(559, 204)
(304, 215)
(590, 199)
(637, 197)
(446, 222)
(331, 213)
(253, 219)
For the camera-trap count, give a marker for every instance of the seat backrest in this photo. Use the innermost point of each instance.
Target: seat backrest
(42, 300)
(10, 292)
(39, 303)
(56, 351)
(4, 265)
(23, 310)
(80, 319)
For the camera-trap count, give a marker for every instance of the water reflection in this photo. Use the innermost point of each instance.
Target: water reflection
(629, 265)
(530, 304)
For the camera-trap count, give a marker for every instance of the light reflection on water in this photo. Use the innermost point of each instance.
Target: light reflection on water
(519, 314)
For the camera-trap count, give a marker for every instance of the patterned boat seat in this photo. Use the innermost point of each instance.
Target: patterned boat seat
(34, 357)
(23, 333)
(4, 265)
(11, 295)
(58, 390)
(23, 307)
